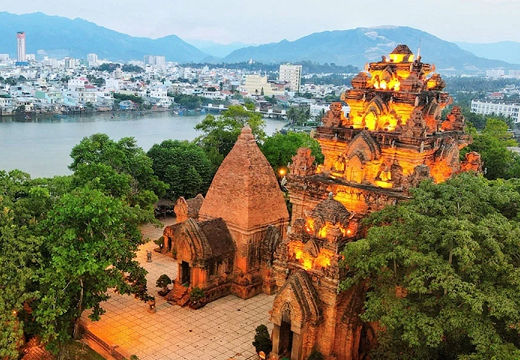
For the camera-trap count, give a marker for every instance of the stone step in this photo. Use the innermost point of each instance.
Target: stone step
(184, 300)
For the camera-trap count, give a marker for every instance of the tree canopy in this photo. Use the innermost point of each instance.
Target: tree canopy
(90, 244)
(492, 143)
(220, 133)
(65, 241)
(280, 148)
(442, 272)
(118, 168)
(184, 166)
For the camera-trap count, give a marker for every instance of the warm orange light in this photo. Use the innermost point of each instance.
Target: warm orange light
(309, 226)
(306, 260)
(282, 171)
(322, 233)
(398, 58)
(323, 258)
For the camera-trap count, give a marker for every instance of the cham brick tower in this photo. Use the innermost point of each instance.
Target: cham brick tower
(393, 139)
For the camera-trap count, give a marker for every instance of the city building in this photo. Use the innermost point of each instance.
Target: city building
(292, 74)
(258, 85)
(20, 42)
(70, 63)
(155, 60)
(495, 73)
(92, 59)
(499, 108)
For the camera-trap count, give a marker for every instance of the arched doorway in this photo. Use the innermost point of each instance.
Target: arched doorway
(286, 334)
(185, 273)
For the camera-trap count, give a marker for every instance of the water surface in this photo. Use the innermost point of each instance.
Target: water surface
(41, 147)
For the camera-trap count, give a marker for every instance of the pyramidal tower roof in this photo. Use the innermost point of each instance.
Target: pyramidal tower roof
(244, 191)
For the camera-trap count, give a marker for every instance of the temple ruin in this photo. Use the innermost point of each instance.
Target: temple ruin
(238, 240)
(393, 139)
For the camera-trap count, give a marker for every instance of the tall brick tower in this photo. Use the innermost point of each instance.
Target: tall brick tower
(246, 195)
(393, 139)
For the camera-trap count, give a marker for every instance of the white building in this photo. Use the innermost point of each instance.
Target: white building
(291, 74)
(20, 42)
(4, 58)
(154, 60)
(488, 108)
(92, 59)
(6, 103)
(80, 82)
(495, 73)
(70, 63)
(113, 84)
(160, 94)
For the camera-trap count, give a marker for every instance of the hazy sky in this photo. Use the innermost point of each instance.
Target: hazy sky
(264, 21)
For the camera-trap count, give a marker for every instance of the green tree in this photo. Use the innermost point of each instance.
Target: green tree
(90, 242)
(190, 102)
(299, 115)
(125, 158)
(280, 148)
(184, 166)
(262, 340)
(442, 272)
(19, 258)
(492, 144)
(221, 133)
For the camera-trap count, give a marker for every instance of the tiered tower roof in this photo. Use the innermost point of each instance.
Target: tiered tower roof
(245, 191)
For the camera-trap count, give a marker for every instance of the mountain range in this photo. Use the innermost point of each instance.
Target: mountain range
(59, 37)
(504, 50)
(361, 45)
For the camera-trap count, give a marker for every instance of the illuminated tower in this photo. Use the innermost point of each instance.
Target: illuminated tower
(20, 40)
(393, 139)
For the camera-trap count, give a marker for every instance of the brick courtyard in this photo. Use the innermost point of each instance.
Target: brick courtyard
(221, 330)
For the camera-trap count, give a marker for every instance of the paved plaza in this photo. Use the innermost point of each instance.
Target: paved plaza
(223, 329)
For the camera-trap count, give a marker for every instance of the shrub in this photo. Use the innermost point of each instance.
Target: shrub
(163, 281)
(262, 340)
(196, 294)
(159, 242)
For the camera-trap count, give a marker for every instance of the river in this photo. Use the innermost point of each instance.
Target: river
(42, 147)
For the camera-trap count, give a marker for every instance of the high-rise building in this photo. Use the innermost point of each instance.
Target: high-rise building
(160, 60)
(291, 74)
(70, 63)
(20, 40)
(154, 60)
(92, 59)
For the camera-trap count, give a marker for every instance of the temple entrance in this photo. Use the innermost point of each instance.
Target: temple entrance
(185, 272)
(169, 243)
(286, 339)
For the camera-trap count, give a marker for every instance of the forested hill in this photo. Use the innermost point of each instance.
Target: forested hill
(361, 45)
